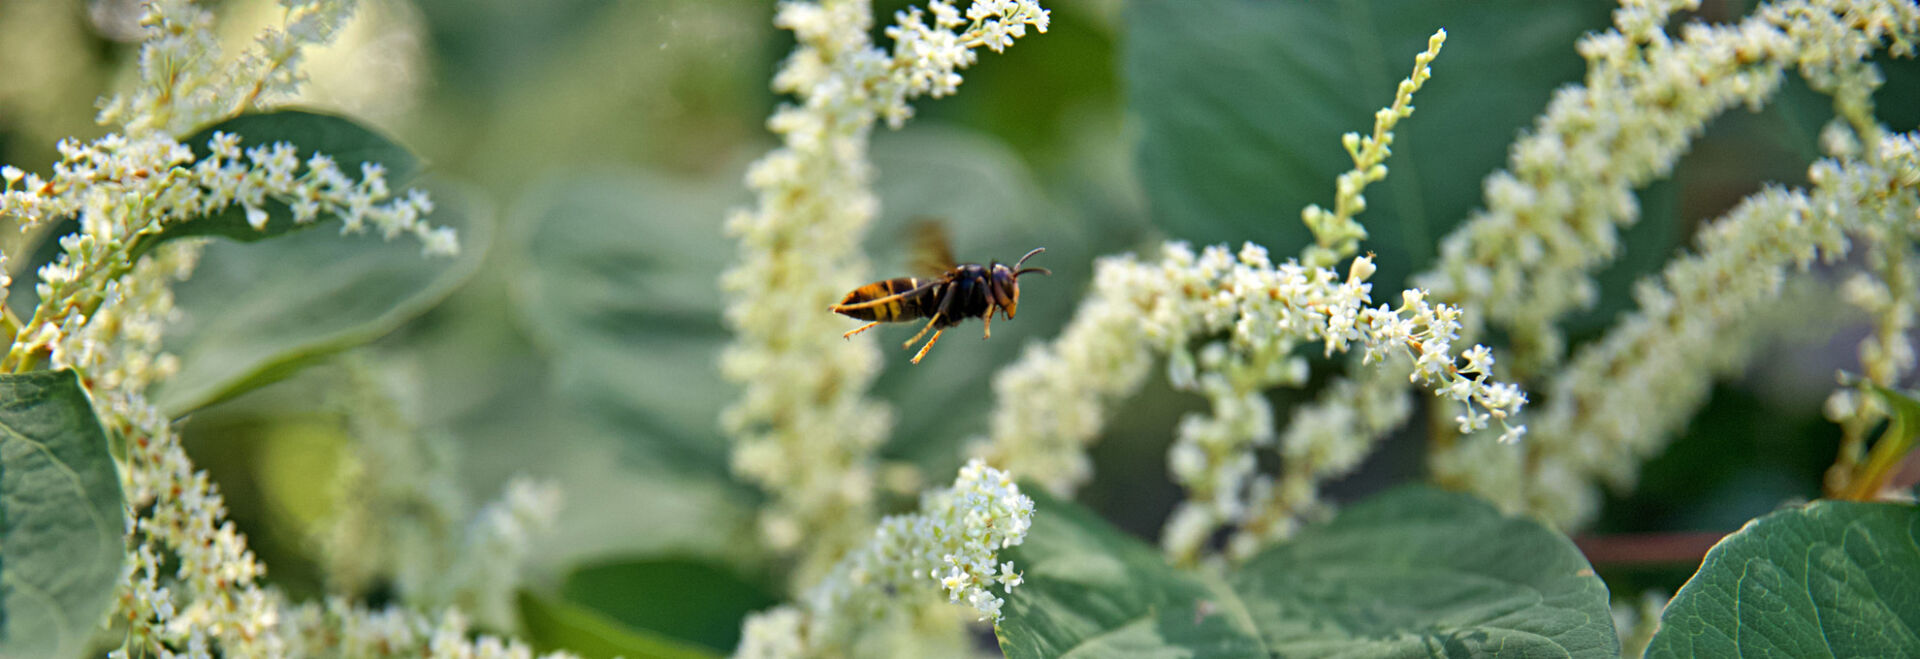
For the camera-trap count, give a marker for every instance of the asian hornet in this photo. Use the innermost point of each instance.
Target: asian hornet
(956, 293)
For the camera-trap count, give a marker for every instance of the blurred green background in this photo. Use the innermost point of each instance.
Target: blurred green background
(588, 150)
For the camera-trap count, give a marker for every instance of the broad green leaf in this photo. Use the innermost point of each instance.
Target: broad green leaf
(1411, 573)
(1828, 579)
(1241, 107)
(620, 285)
(685, 599)
(253, 314)
(1418, 572)
(62, 532)
(555, 625)
(1092, 591)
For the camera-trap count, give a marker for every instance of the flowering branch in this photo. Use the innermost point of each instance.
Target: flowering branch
(1646, 96)
(191, 585)
(804, 429)
(1248, 315)
(1051, 401)
(1336, 234)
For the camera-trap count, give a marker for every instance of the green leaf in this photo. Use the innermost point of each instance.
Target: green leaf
(253, 314)
(1412, 573)
(348, 143)
(1418, 572)
(686, 599)
(620, 285)
(1242, 104)
(1093, 591)
(62, 532)
(554, 625)
(1829, 579)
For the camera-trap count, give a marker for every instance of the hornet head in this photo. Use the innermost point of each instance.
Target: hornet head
(1004, 287)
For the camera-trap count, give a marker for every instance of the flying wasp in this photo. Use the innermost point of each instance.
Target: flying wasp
(955, 293)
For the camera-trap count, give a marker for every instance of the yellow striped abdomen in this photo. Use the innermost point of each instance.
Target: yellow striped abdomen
(887, 301)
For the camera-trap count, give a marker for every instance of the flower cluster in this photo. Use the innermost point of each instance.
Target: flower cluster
(1229, 325)
(1324, 438)
(1336, 234)
(185, 82)
(127, 192)
(208, 594)
(191, 585)
(1594, 428)
(951, 544)
(1053, 399)
(1551, 220)
(1330, 435)
(804, 429)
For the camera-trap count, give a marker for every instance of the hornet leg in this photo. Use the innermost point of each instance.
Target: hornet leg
(923, 332)
(928, 346)
(989, 333)
(863, 328)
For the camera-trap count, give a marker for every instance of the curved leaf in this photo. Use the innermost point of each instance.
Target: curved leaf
(61, 524)
(1242, 105)
(620, 284)
(1094, 591)
(1829, 579)
(686, 599)
(554, 625)
(1411, 573)
(1418, 572)
(253, 314)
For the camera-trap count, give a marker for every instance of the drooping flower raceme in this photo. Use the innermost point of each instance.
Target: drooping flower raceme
(1054, 398)
(804, 428)
(949, 547)
(1659, 362)
(1332, 434)
(191, 586)
(1239, 317)
(103, 302)
(1551, 220)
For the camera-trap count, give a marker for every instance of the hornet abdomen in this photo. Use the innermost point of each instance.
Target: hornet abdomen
(883, 301)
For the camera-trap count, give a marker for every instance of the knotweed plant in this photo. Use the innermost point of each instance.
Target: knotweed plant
(190, 586)
(1229, 323)
(108, 517)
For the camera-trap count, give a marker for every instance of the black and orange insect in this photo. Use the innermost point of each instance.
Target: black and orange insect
(950, 294)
